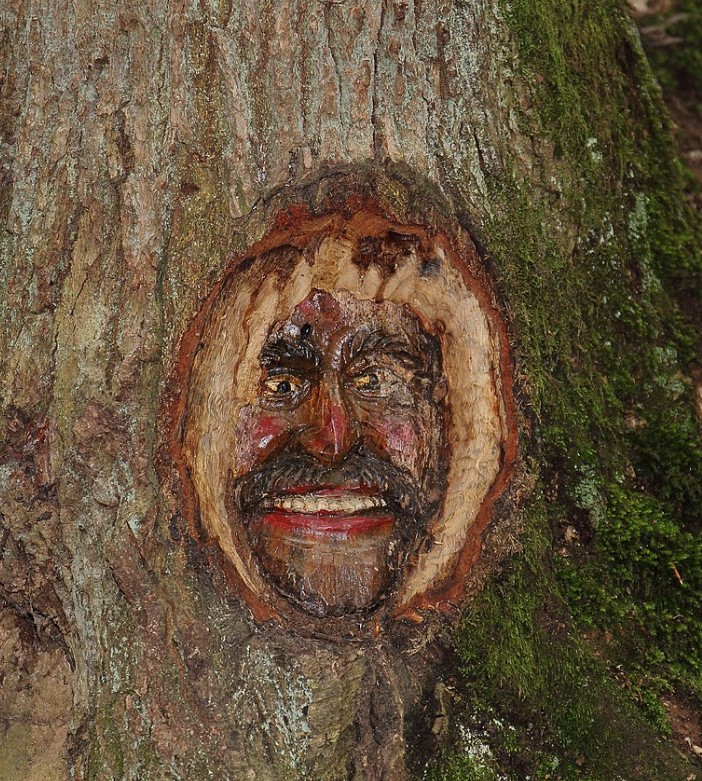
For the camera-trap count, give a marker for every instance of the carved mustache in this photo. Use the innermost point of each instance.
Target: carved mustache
(287, 471)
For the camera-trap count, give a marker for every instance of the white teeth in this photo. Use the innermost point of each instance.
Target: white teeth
(347, 503)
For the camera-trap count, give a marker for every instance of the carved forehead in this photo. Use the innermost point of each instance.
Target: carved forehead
(323, 314)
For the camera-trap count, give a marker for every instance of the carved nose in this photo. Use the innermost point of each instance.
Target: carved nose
(331, 431)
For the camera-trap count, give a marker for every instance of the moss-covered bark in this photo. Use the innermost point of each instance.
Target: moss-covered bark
(600, 616)
(144, 144)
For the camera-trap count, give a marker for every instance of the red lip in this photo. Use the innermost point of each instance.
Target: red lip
(318, 524)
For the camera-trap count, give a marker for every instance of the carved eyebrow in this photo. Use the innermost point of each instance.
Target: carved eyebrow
(286, 351)
(397, 346)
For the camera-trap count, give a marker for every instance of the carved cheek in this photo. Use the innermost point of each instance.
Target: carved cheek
(399, 439)
(258, 433)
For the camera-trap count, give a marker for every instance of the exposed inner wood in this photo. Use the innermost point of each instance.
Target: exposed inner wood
(369, 259)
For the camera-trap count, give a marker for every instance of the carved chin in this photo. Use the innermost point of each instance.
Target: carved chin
(329, 565)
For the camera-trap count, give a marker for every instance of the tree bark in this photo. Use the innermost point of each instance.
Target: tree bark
(146, 148)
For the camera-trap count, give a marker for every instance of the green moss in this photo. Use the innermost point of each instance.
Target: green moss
(583, 56)
(453, 767)
(566, 656)
(644, 586)
(537, 703)
(678, 65)
(668, 454)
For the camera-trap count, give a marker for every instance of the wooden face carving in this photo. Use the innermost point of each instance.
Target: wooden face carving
(341, 459)
(346, 426)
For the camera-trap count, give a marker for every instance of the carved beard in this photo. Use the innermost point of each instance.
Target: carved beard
(287, 471)
(317, 570)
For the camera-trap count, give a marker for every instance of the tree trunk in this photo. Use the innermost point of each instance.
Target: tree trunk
(155, 158)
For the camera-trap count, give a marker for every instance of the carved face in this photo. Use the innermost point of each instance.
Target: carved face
(345, 426)
(340, 460)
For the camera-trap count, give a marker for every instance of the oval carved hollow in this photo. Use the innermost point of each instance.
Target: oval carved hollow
(347, 420)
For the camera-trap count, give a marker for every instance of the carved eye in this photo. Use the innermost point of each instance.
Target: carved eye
(282, 388)
(368, 383)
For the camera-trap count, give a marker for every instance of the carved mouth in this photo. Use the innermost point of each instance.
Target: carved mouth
(325, 502)
(340, 512)
(363, 483)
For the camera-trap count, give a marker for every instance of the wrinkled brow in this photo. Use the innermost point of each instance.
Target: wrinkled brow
(393, 345)
(282, 351)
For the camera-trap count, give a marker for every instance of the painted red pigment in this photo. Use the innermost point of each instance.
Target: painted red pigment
(318, 524)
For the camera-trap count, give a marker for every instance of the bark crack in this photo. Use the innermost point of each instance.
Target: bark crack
(329, 24)
(79, 293)
(378, 134)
